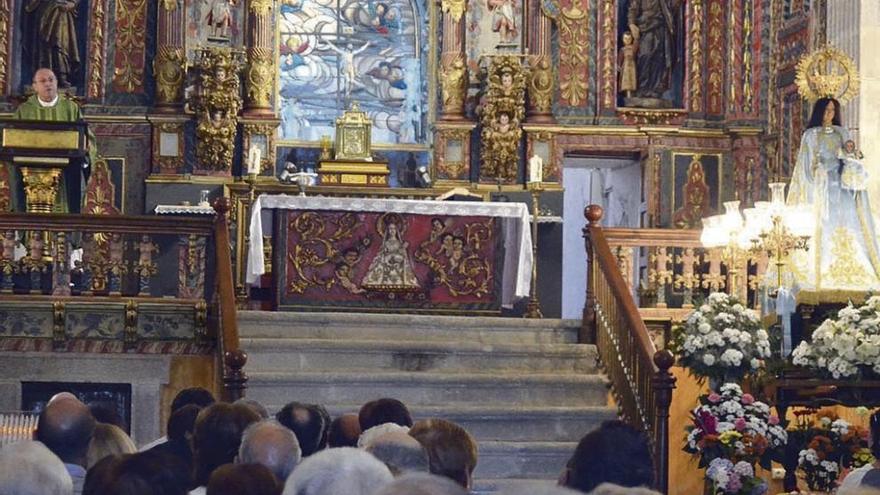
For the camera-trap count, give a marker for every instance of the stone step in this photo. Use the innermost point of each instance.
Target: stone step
(406, 327)
(513, 389)
(510, 424)
(280, 354)
(522, 460)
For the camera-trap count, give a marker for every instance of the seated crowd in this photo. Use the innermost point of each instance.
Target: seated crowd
(219, 448)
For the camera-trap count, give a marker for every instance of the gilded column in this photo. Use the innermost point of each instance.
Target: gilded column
(453, 61)
(260, 73)
(452, 136)
(541, 73)
(169, 69)
(169, 66)
(258, 117)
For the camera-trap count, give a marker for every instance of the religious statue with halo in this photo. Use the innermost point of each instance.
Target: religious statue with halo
(828, 180)
(502, 114)
(217, 105)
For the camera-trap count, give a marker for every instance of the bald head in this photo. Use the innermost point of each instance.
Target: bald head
(62, 396)
(66, 426)
(269, 443)
(45, 85)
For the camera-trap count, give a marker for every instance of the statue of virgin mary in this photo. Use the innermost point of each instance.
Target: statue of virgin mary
(843, 256)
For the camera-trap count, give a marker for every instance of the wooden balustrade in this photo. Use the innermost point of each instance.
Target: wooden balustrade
(234, 359)
(141, 261)
(639, 375)
(675, 270)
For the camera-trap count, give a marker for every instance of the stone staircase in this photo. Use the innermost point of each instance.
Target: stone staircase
(523, 388)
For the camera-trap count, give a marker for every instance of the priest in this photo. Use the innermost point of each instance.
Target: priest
(47, 104)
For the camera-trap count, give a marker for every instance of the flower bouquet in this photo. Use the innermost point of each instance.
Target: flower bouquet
(722, 340)
(734, 479)
(731, 425)
(830, 445)
(846, 347)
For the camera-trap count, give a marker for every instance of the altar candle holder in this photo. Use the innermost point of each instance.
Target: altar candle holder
(533, 309)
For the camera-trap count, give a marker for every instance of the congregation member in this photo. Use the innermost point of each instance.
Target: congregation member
(399, 451)
(243, 479)
(180, 428)
(344, 431)
(614, 453)
(196, 396)
(29, 468)
(217, 438)
(376, 431)
(142, 473)
(343, 470)
(66, 427)
(452, 451)
(108, 440)
(309, 422)
(270, 444)
(255, 406)
(422, 484)
(385, 410)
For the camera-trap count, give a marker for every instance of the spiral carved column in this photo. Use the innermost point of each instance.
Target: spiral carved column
(541, 73)
(453, 61)
(169, 66)
(260, 71)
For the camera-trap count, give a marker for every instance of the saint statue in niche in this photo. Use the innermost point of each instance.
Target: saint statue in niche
(220, 18)
(503, 19)
(52, 38)
(653, 25)
(391, 268)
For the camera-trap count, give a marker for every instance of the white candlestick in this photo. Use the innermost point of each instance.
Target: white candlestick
(536, 169)
(253, 162)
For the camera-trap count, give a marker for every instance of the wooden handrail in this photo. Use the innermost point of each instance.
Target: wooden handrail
(233, 358)
(639, 375)
(623, 237)
(121, 224)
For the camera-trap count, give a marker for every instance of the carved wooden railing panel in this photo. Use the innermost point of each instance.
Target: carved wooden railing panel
(639, 375)
(159, 279)
(676, 270)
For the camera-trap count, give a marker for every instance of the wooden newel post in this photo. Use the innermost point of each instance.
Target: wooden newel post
(663, 382)
(234, 377)
(593, 214)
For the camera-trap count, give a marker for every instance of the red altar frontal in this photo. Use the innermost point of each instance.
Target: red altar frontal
(398, 255)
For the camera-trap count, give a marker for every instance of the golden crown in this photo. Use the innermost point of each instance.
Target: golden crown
(827, 73)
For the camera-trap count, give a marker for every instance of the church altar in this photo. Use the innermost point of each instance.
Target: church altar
(333, 253)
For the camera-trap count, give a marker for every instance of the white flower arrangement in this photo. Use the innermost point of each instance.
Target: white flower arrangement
(722, 340)
(846, 347)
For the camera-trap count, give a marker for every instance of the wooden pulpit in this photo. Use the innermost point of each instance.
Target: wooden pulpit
(42, 151)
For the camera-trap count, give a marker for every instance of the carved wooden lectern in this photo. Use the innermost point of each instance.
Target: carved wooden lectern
(43, 150)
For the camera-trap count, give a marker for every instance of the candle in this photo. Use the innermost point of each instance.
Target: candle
(536, 168)
(253, 162)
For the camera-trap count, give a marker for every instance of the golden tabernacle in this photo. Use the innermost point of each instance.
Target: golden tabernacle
(353, 162)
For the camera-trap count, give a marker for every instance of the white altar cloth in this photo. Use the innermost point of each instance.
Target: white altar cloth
(517, 235)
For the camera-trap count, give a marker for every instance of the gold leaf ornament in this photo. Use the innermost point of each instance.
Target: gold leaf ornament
(827, 73)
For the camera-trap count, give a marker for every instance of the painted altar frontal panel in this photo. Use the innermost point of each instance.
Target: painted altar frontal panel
(334, 52)
(386, 261)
